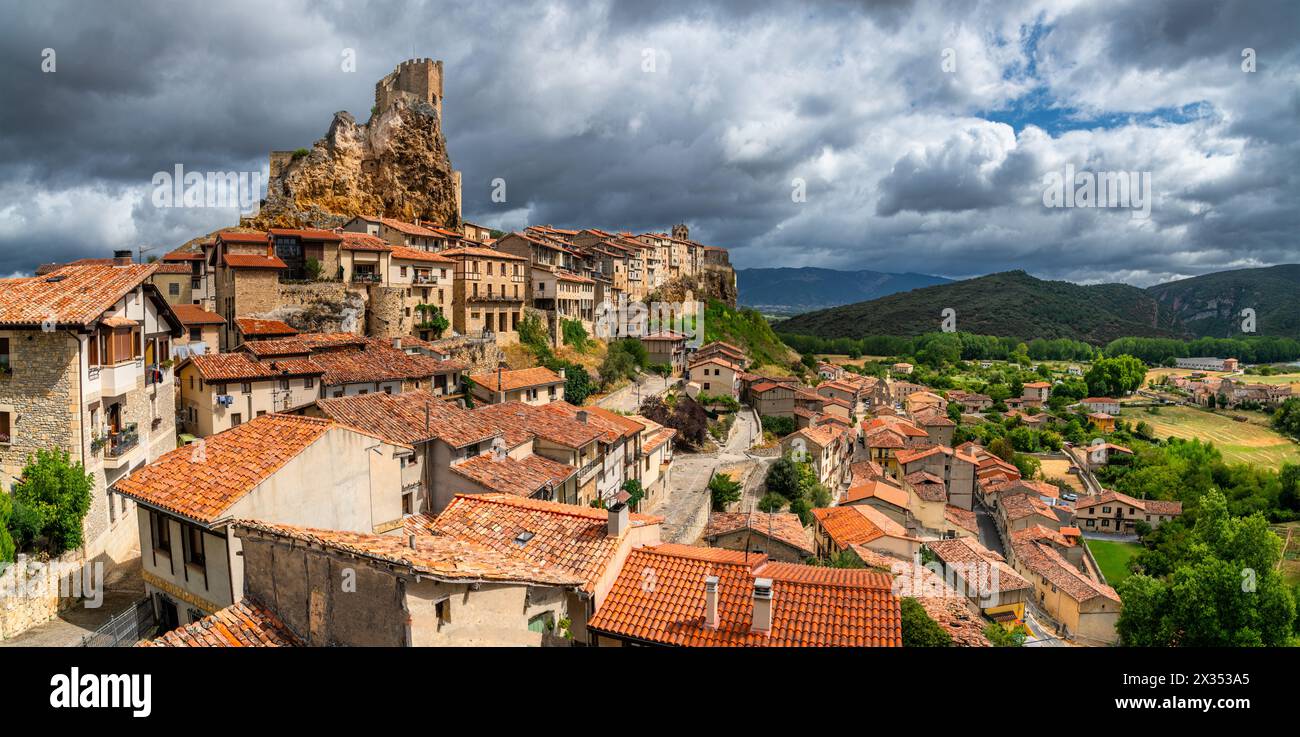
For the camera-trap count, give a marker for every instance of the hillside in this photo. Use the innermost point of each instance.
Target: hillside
(747, 329)
(1010, 303)
(1211, 305)
(789, 291)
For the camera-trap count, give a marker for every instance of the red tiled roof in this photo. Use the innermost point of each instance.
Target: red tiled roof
(783, 526)
(963, 518)
(877, 489)
(1035, 550)
(521, 421)
(70, 295)
(260, 237)
(308, 234)
(510, 476)
(363, 242)
(181, 254)
(856, 525)
(1151, 506)
(203, 485)
(172, 268)
(409, 418)
(659, 597)
(517, 379)
(980, 564)
(567, 537)
(415, 254)
(217, 368)
(243, 624)
(476, 252)
(252, 261)
(195, 315)
(251, 326)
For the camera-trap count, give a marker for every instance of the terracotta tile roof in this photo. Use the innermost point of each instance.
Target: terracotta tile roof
(877, 489)
(657, 438)
(243, 624)
(716, 360)
(954, 612)
(217, 368)
(363, 242)
(980, 564)
(476, 252)
(567, 537)
(250, 326)
(863, 471)
(276, 347)
(415, 254)
(886, 438)
(613, 426)
(856, 524)
(228, 236)
(202, 486)
(908, 456)
(308, 234)
(70, 295)
(659, 598)
(1151, 506)
(1033, 550)
(401, 418)
(783, 526)
(195, 315)
(441, 557)
(172, 268)
(378, 361)
(519, 477)
(183, 254)
(405, 227)
(517, 379)
(1037, 385)
(252, 261)
(963, 518)
(521, 421)
(1019, 505)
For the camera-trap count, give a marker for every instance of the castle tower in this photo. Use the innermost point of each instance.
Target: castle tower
(681, 232)
(420, 79)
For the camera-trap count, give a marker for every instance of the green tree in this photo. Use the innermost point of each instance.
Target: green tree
(1115, 376)
(1286, 419)
(432, 319)
(1223, 590)
(7, 548)
(635, 492)
(772, 502)
(919, 630)
(58, 493)
(723, 491)
(577, 384)
(999, 636)
(783, 478)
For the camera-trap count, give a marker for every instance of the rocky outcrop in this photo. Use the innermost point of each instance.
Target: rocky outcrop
(712, 282)
(396, 164)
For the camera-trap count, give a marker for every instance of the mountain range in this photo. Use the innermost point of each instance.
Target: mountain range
(789, 291)
(1015, 304)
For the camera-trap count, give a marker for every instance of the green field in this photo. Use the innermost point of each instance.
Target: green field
(1239, 442)
(1113, 558)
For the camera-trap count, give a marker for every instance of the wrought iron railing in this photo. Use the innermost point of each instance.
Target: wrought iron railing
(121, 443)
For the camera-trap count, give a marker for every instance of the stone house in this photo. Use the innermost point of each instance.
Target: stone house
(419, 236)
(425, 282)
(716, 376)
(85, 368)
(293, 470)
(1065, 584)
(778, 535)
(489, 292)
(536, 386)
(1118, 513)
(202, 330)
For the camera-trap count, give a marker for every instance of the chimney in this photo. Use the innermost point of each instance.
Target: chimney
(711, 602)
(762, 606)
(122, 258)
(397, 343)
(410, 540)
(582, 416)
(561, 373)
(619, 519)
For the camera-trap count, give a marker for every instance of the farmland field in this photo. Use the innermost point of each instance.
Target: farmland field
(1113, 558)
(1059, 468)
(1239, 442)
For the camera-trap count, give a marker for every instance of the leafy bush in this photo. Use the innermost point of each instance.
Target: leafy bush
(58, 493)
(684, 415)
(7, 548)
(772, 502)
(999, 636)
(778, 426)
(635, 492)
(431, 318)
(298, 153)
(577, 383)
(313, 268)
(919, 630)
(574, 335)
(723, 491)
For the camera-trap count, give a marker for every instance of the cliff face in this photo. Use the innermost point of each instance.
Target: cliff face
(396, 164)
(712, 282)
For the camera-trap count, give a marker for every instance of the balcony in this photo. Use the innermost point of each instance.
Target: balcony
(365, 278)
(424, 279)
(120, 377)
(118, 446)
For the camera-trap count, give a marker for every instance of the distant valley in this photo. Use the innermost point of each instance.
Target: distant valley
(790, 291)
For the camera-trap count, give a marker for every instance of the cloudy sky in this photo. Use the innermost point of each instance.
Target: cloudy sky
(897, 136)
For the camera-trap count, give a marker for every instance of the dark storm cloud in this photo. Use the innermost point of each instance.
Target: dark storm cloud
(744, 99)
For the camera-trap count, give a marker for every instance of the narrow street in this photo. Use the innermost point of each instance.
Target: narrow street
(629, 398)
(686, 509)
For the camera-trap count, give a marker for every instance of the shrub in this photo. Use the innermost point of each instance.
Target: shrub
(999, 636)
(574, 335)
(431, 318)
(771, 502)
(298, 153)
(577, 383)
(723, 491)
(778, 426)
(58, 492)
(313, 268)
(919, 630)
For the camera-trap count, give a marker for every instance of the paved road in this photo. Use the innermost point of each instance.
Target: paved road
(1042, 635)
(629, 398)
(989, 536)
(68, 629)
(1090, 482)
(687, 505)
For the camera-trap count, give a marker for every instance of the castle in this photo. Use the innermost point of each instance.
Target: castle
(420, 79)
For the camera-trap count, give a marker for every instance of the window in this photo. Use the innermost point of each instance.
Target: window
(196, 334)
(309, 382)
(443, 611)
(284, 384)
(221, 388)
(5, 429)
(261, 412)
(174, 289)
(236, 419)
(194, 547)
(543, 623)
(246, 387)
(162, 533)
(407, 504)
(4, 356)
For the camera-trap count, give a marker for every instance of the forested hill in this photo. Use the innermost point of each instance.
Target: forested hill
(1010, 303)
(1211, 305)
(788, 291)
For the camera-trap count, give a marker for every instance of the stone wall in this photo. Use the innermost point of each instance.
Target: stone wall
(40, 396)
(331, 307)
(386, 313)
(30, 595)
